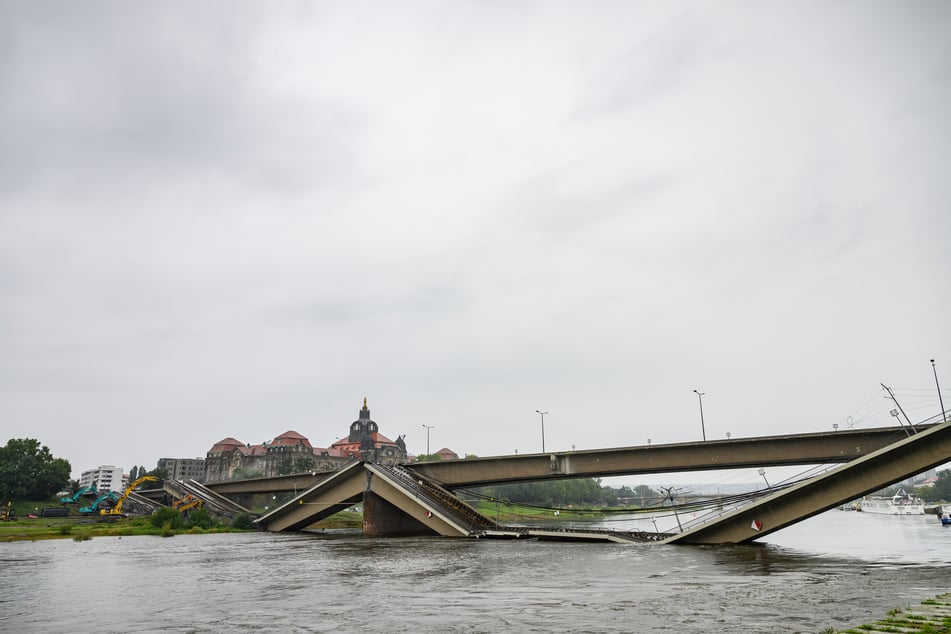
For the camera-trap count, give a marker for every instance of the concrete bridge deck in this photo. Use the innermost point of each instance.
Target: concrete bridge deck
(737, 453)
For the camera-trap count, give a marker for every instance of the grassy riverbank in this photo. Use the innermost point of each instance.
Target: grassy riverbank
(932, 616)
(81, 529)
(515, 513)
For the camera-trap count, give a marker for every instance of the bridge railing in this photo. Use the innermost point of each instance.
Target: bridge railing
(784, 484)
(433, 493)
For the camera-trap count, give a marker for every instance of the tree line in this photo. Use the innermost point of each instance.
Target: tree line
(587, 492)
(28, 471)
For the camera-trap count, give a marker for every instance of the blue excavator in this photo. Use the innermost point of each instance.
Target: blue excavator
(72, 499)
(111, 496)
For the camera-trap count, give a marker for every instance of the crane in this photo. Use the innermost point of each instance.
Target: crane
(117, 509)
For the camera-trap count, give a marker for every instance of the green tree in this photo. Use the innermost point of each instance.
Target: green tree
(428, 457)
(646, 496)
(941, 491)
(555, 493)
(28, 470)
(161, 474)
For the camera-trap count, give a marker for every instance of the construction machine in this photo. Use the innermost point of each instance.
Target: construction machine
(117, 509)
(92, 508)
(187, 503)
(9, 513)
(74, 498)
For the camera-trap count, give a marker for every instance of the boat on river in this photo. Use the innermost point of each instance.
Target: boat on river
(901, 503)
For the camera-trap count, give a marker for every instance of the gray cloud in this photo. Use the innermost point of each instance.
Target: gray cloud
(234, 220)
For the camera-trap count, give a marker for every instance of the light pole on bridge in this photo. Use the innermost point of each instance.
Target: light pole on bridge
(543, 428)
(703, 429)
(940, 400)
(428, 427)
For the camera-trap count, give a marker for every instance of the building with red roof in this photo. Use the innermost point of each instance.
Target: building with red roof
(447, 454)
(292, 452)
(367, 443)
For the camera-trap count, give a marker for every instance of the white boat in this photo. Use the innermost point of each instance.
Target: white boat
(899, 504)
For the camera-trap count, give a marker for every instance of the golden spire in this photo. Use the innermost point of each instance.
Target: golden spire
(364, 402)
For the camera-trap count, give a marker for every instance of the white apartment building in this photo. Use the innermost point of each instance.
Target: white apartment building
(106, 478)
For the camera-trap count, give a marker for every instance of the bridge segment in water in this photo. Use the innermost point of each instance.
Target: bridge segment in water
(879, 469)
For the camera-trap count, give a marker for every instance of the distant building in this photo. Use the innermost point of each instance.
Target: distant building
(183, 468)
(293, 453)
(106, 478)
(447, 454)
(367, 443)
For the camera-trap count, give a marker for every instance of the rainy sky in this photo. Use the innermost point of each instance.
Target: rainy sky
(238, 219)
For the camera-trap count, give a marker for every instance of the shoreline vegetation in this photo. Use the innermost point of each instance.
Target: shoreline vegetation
(85, 528)
(82, 528)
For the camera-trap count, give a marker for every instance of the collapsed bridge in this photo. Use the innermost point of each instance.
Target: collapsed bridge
(418, 498)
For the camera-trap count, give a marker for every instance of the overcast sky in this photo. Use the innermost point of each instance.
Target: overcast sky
(237, 219)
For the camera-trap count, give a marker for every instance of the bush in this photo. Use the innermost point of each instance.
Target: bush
(166, 515)
(244, 521)
(201, 518)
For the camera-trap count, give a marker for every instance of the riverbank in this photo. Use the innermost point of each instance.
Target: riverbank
(81, 529)
(932, 616)
(84, 528)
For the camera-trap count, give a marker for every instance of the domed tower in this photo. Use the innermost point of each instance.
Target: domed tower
(364, 441)
(363, 426)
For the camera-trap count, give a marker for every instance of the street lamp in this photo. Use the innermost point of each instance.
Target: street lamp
(762, 472)
(543, 428)
(428, 427)
(703, 429)
(941, 400)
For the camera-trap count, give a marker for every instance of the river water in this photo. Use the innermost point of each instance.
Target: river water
(839, 569)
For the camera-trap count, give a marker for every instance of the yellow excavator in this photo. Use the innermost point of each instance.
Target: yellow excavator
(9, 513)
(117, 509)
(187, 503)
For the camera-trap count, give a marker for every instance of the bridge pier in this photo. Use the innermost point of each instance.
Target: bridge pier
(382, 519)
(246, 500)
